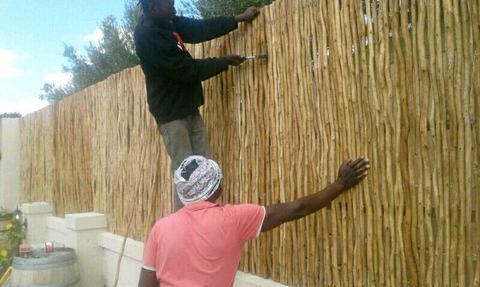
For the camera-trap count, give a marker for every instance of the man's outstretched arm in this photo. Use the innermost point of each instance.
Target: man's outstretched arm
(201, 30)
(172, 63)
(350, 174)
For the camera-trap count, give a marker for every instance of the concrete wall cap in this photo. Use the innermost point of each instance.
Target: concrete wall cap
(36, 208)
(85, 221)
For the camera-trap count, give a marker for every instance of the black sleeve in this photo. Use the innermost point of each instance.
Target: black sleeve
(172, 63)
(201, 30)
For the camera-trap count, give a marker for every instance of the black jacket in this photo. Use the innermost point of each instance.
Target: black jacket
(172, 76)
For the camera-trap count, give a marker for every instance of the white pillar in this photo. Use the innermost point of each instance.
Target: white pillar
(9, 163)
(36, 215)
(82, 234)
(56, 229)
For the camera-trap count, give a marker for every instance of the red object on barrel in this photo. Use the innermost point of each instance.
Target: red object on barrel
(49, 247)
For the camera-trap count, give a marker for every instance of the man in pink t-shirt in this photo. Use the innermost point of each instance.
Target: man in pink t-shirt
(201, 244)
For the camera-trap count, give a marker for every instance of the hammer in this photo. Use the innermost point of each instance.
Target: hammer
(256, 57)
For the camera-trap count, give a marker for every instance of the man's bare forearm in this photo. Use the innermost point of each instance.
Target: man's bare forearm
(277, 214)
(314, 202)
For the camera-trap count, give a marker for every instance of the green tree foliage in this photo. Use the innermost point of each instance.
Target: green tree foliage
(113, 53)
(110, 56)
(210, 8)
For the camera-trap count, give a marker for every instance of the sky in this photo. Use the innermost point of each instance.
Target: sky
(32, 37)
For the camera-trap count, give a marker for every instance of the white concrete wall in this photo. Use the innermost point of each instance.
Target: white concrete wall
(9, 163)
(56, 230)
(111, 245)
(98, 251)
(132, 264)
(36, 215)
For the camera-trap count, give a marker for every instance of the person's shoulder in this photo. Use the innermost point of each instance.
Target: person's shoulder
(243, 205)
(140, 33)
(163, 222)
(149, 31)
(235, 208)
(182, 19)
(145, 31)
(180, 22)
(242, 213)
(140, 27)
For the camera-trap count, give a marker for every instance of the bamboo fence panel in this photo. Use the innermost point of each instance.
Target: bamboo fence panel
(37, 160)
(397, 81)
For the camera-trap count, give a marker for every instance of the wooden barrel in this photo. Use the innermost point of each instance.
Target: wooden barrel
(56, 269)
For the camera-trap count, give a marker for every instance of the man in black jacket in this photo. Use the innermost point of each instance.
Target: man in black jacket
(174, 78)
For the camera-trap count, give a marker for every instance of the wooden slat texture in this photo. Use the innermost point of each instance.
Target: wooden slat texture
(397, 81)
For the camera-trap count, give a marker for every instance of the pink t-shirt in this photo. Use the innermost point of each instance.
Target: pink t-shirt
(201, 244)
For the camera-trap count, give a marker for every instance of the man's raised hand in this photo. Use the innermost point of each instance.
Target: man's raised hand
(352, 173)
(234, 60)
(249, 14)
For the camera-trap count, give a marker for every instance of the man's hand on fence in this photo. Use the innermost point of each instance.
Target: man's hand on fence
(234, 60)
(352, 173)
(249, 14)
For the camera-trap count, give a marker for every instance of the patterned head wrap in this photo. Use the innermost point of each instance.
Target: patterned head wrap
(197, 179)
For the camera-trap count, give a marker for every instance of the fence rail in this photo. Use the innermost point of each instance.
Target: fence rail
(398, 81)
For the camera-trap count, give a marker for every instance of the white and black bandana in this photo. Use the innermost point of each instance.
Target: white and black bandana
(197, 179)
